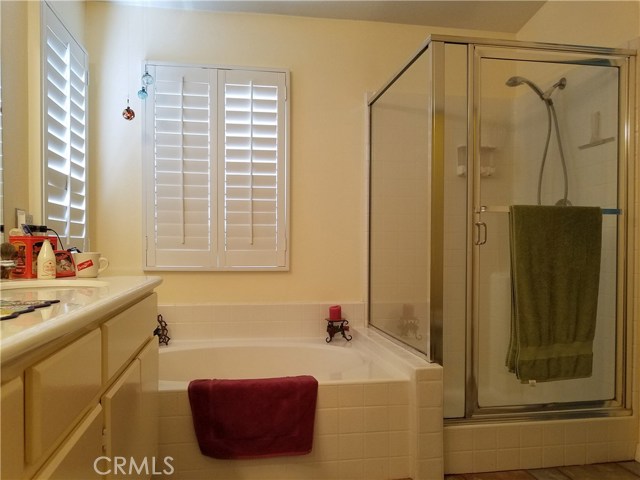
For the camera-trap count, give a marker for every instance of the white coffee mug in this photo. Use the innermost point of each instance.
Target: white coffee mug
(89, 264)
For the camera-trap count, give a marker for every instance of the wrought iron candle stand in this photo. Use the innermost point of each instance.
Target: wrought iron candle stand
(338, 326)
(162, 331)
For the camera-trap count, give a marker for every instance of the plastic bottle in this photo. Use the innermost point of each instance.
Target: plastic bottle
(46, 262)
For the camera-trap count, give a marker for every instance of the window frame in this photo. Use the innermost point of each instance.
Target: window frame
(214, 258)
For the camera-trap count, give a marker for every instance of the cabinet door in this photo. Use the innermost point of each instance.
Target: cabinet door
(124, 421)
(12, 422)
(149, 361)
(79, 457)
(59, 390)
(131, 416)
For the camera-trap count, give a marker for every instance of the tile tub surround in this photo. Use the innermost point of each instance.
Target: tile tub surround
(208, 321)
(373, 430)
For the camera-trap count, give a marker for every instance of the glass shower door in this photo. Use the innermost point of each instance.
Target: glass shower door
(549, 133)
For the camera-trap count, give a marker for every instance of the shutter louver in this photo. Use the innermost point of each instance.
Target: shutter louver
(65, 106)
(254, 175)
(182, 102)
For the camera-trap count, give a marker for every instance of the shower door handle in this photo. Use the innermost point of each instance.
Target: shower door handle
(481, 233)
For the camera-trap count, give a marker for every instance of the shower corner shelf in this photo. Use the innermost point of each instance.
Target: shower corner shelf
(487, 168)
(596, 139)
(595, 142)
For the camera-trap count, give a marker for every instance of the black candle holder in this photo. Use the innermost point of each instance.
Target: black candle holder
(338, 326)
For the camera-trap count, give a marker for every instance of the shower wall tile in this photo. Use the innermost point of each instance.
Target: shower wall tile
(508, 437)
(575, 454)
(553, 434)
(552, 456)
(512, 446)
(597, 452)
(508, 459)
(485, 460)
(457, 439)
(531, 457)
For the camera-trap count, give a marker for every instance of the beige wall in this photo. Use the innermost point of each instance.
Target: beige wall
(598, 23)
(333, 64)
(15, 103)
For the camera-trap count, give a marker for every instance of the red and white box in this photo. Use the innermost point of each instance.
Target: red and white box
(28, 247)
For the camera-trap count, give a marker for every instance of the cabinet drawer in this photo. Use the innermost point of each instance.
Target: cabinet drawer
(123, 335)
(59, 390)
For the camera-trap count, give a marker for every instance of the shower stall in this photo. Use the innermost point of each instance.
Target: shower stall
(465, 130)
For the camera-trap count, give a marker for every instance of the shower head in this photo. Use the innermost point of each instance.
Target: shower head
(545, 96)
(516, 81)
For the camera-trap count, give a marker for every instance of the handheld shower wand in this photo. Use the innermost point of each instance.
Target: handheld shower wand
(516, 81)
(551, 118)
(544, 96)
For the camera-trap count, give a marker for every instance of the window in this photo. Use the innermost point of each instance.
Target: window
(65, 75)
(216, 169)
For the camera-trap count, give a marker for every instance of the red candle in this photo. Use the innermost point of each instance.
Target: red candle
(335, 312)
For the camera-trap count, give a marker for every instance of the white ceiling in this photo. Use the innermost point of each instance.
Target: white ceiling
(498, 16)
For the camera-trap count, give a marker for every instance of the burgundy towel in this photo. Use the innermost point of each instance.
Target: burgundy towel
(254, 418)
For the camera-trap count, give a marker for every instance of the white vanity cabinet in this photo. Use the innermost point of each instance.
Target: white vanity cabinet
(12, 428)
(70, 409)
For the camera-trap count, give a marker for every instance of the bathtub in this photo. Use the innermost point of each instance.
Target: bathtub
(369, 403)
(337, 362)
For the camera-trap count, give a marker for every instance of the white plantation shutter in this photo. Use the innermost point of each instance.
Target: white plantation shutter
(252, 171)
(216, 169)
(180, 200)
(65, 72)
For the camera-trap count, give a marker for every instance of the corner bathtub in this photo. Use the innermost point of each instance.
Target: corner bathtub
(186, 360)
(367, 406)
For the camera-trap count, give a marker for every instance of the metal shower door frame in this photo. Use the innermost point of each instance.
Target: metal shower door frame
(624, 60)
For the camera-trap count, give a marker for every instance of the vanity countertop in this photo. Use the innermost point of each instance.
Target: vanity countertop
(81, 302)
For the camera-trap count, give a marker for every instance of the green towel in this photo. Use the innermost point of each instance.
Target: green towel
(555, 272)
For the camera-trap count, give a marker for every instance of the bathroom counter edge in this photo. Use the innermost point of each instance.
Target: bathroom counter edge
(23, 337)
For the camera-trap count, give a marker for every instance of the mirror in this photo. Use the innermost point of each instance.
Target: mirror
(1, 163)
(15, 104)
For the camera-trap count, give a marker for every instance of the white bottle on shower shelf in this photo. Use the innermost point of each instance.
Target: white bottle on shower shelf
(46, 262)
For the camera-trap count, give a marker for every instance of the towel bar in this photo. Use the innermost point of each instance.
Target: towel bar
(504, 209)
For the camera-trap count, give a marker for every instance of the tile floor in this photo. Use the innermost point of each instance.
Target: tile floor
(602, 471)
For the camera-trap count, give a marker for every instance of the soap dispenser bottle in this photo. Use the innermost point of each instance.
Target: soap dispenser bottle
(46, 262)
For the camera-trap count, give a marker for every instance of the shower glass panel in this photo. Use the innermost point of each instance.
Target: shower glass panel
(400, 175)
(465, 130)
(558, 145)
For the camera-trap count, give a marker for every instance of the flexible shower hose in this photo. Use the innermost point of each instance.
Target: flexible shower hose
(553, 118)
